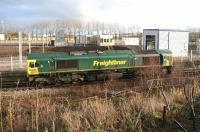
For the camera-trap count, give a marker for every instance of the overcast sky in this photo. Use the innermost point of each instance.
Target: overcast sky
(145, 13)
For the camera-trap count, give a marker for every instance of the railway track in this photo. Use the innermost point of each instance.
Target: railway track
(98, 89)
(20, 82)
(23, 84)
(76, 92)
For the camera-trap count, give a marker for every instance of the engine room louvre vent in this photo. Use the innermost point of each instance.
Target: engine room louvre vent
(77, 53)
(64, 64)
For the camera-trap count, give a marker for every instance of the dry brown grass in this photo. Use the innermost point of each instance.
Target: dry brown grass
(52, 111)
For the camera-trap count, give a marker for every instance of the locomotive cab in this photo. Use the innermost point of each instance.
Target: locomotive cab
(32, 67)
(166, 59)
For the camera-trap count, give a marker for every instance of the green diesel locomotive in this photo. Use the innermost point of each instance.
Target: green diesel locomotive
(82, 66)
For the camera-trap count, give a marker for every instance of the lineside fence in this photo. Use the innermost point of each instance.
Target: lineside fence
(194, 55)
(16, 42)
(12, 63)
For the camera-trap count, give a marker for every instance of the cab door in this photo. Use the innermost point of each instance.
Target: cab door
(31, 68)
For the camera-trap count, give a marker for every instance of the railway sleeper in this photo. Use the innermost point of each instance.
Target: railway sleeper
(44, 81)
(129, 74)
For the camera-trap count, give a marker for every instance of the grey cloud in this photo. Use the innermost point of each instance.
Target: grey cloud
(33, 10)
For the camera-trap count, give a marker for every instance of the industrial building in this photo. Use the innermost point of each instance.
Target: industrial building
(105, 40)
(194, 41)
(128, 41)
(86, 40)
(2, 37)
(174, 40)
(100, 40)
(131, 41)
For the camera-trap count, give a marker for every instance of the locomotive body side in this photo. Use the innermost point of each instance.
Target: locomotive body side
(63, 62)
(83, 65)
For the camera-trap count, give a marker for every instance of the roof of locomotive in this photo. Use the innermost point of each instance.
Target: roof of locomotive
(160, 51)
(163, 51)
(80, 54)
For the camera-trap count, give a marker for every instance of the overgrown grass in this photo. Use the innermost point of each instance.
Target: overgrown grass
(133, 112)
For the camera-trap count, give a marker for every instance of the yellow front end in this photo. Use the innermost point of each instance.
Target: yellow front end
(170, 60)
(30, 68)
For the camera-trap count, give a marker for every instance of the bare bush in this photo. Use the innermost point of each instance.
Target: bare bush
(52, 111)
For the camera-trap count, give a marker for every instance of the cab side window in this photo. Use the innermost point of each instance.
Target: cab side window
(34, 65)
(31, 64)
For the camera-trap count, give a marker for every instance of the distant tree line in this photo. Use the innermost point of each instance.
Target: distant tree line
(71, 27)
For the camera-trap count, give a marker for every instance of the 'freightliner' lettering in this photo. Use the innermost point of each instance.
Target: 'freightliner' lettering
(108, 63)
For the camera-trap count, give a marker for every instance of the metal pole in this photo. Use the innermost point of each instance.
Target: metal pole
(29, 42)
(20, 50)
(168, 39)
(11, 63)
(191, 55)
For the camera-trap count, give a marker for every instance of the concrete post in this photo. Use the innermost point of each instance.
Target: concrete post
(191, 55)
